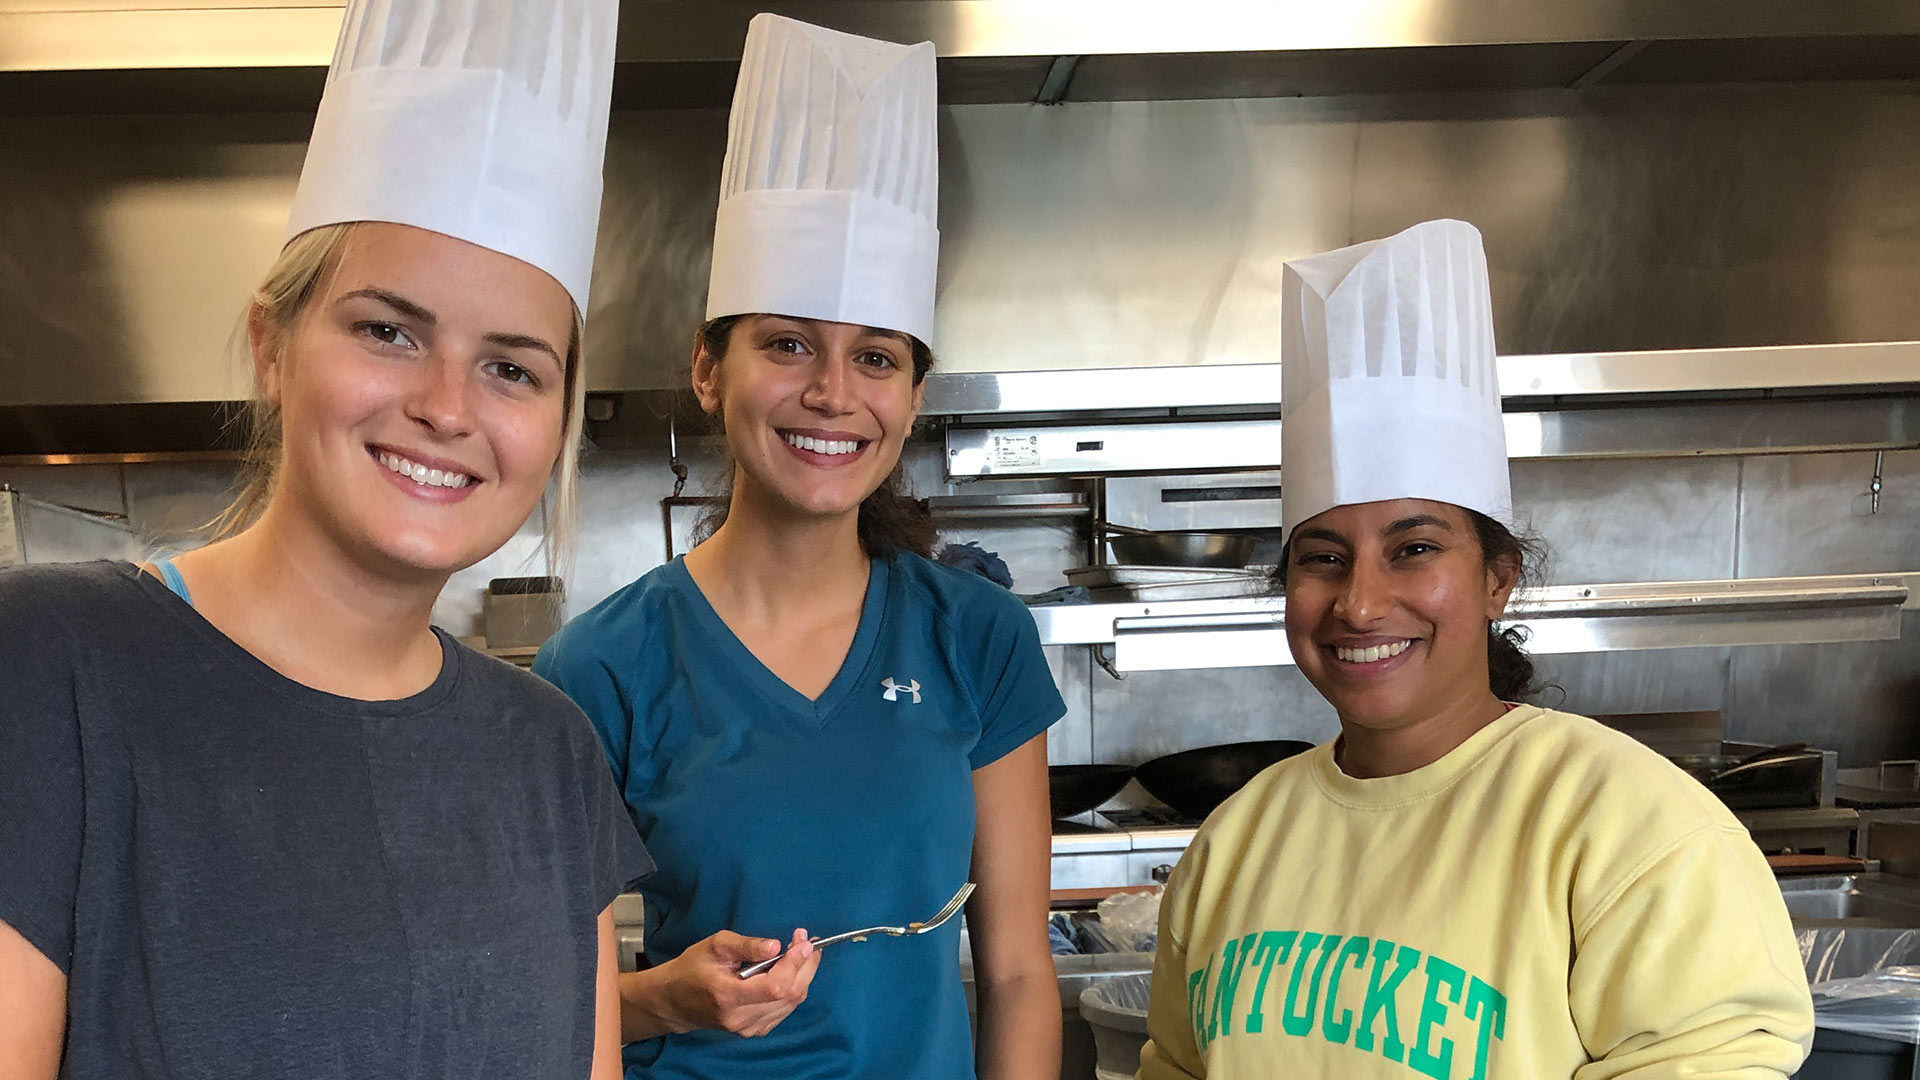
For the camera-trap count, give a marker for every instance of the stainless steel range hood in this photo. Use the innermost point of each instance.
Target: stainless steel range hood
(1668, 403)
(1104, 235)
(232, 54)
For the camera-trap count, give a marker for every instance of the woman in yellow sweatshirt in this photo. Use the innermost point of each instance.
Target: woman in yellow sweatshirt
(1456, 887)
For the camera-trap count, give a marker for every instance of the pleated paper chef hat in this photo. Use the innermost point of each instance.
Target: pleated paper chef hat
(1387, 379)
(828, 198)
(485, 120)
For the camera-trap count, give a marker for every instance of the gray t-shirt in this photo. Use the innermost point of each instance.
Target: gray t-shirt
(243, 876)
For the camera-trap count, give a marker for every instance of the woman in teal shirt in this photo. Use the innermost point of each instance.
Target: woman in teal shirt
(814, 725)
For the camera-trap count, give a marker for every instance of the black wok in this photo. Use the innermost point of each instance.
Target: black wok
(1076, 789)
(1777, 777)
(1195, 781)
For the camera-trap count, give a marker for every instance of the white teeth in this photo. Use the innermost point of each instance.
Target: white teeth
(420, 474)
(821, 446)
(1372, 654)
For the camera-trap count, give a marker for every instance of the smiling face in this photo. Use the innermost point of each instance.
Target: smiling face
(1387, 609)
(815, 412)
(422, 394)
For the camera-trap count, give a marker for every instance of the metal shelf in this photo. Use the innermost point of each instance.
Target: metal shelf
(1677, 403)
(1251, 632)
(1840, 368)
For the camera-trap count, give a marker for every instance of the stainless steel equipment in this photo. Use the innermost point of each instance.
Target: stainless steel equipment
(1250, 631)
(1114, 856)
(1124, 584)
(1208, 550)
(1746, 776)
(32, 531)
(679, 51)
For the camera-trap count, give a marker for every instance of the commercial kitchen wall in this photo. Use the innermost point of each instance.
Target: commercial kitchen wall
(1080, 235)
(1102, 234)
(1604, 521)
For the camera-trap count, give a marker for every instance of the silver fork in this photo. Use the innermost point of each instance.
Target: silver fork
(953, 908)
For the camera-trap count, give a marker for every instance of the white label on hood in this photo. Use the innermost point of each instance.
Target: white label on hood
(1015, 450)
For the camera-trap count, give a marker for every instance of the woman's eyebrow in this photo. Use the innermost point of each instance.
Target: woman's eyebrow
(421, 315)
(523, 341)
(1416, 521)
(395, 301)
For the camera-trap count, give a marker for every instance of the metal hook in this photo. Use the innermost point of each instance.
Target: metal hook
(673, 458)
(1106, 662)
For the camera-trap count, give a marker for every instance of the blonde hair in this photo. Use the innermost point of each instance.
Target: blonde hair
(291, 285)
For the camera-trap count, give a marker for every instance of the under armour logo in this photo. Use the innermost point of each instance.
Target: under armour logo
(893, 690)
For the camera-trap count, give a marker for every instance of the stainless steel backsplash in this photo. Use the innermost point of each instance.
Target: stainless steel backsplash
(1144, 233)
(1602, 520)
(1079, 235)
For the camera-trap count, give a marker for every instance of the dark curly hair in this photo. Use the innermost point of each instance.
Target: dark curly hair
(890, 519)
(1510, 671)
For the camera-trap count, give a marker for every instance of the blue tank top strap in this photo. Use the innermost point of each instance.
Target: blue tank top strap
(170, 574)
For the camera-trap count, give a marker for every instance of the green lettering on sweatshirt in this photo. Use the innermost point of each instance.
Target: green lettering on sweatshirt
(1233, 962)
(1489, 1006)
(1197, 1004)
(1336, 1031)
(1437, 1064)
(1301, 1023)
(1445, 991)
(1275, 945)
(1379, 999)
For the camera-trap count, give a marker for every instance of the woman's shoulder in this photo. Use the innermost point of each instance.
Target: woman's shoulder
(499, 680)
(620, 625)
(531, 703)
(67, 585)
(1611, 763)
(72, 596)
(957, 593)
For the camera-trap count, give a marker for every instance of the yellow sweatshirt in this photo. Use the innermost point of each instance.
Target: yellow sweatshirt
(1550, 900)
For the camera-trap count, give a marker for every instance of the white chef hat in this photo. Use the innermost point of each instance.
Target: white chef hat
(828, 198)
(485, 120)
(1387, 379)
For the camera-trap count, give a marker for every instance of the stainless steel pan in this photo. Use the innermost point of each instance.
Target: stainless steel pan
(1136, 547)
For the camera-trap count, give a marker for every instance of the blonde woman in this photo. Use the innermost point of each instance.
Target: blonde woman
(257, 816)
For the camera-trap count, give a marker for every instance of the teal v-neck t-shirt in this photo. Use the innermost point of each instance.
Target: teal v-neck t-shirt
(766, 811)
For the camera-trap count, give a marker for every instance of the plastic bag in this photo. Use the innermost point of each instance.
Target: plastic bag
(1124, 993)
(1865, 981)
(1131, 920)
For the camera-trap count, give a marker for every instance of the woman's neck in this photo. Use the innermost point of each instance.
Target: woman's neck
(292, 597)
(762, 563)
(1367, 752)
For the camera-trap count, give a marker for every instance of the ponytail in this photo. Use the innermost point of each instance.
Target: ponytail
(1510, 670)
(891, 521)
